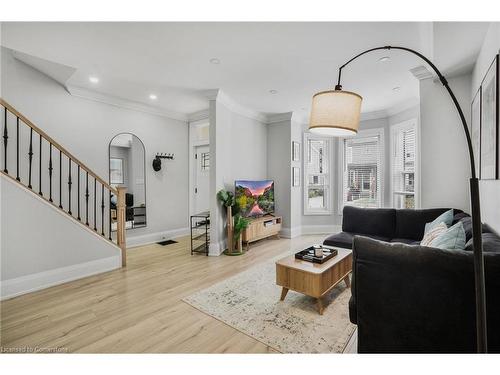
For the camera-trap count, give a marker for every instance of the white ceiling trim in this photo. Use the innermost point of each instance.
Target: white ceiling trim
(233, 106)
(278, 117)
(198, 115)
(123, 103)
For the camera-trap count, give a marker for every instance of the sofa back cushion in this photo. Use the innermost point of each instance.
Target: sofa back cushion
(411, 223)
(374, 221)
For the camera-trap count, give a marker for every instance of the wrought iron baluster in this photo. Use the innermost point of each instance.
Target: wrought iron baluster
(60, 179)
(95, 204)
(102, 209)
(50, 172)
(5, 138)
(69, 186)
(40, 169)
(78, 192)
(17, 150)
(87, 200)
(110, 238)
(30, 156)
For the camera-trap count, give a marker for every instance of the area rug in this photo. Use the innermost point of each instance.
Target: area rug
(249, 302)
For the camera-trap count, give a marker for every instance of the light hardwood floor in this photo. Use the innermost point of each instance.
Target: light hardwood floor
(139, 308)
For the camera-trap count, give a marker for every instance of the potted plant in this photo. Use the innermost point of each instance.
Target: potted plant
(228, 201)
(240, 224)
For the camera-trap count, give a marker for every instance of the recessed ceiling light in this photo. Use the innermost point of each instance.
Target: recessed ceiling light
(397, 88)
(153, 97)
(384, 58)
(214, 61)
(273, 92)
(94, 79)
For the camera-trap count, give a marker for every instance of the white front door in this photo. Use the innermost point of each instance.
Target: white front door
(201, 181)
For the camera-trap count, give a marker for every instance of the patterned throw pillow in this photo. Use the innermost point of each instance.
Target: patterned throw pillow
(452, 239)
(446, 217)
(433, 233)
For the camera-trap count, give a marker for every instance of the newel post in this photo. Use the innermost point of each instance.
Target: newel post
(120, 219)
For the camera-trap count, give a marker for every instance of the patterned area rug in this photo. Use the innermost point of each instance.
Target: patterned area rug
(249, 302)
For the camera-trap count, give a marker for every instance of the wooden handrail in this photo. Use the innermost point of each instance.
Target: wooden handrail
(89, 219)
(57, 145)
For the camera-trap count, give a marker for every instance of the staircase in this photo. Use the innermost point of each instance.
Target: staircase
(38, 163)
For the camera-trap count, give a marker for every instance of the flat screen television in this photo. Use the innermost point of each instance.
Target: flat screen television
(255, 198)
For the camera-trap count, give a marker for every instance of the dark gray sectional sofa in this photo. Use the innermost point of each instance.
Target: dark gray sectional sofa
(408, 298)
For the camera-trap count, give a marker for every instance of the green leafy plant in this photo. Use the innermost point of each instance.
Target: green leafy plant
(227, 199)
(240, 224)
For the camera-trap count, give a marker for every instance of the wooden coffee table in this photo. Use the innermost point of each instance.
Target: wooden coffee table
(312, 279)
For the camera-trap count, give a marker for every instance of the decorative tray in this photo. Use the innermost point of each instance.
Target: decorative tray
(308, 254)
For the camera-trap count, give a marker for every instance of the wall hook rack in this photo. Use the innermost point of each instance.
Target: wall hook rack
(157, 160)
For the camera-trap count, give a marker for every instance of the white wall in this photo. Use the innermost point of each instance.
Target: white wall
(85, 128)
(278, 168)
(41, 247)
(489, 190)
(445, 170)
(238, 146)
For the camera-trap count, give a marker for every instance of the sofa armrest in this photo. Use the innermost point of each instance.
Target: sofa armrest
(412, 298)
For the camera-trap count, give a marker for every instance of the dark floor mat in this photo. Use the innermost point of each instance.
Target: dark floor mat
(167, 242)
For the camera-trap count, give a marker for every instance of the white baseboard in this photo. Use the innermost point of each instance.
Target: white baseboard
(216, 249)
(150, 238)
(31, 283)
(321, 229)
(290, 232)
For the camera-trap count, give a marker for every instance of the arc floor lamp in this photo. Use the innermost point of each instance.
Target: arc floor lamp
(337, 113)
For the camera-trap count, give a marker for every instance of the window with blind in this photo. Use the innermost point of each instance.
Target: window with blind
(403, 165)
(317, 175)
(362, 169)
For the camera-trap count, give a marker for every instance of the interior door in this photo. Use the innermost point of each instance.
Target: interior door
(201, 183)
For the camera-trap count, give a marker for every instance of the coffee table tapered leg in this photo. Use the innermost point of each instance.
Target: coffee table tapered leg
(321, 307)
(347, 281)
(284, 291)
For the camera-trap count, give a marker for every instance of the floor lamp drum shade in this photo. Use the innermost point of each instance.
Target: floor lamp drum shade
(335, 113)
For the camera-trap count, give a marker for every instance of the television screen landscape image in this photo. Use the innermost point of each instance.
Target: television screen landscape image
(255, 198)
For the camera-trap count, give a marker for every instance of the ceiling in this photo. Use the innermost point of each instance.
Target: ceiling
(172, 60)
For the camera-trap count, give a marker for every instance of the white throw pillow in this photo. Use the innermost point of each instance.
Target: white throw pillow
(433, 233)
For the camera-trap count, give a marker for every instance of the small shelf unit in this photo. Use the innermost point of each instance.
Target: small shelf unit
(200, 233)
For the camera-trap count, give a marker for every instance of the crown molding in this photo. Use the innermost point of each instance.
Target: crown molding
(123, 103)
(198, 115)
(273, 118)
(408, 104)
(219, 96)
(374, 115)
(421, 72)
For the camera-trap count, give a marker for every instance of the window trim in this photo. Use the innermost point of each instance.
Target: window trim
(329, 195)
(362, 133)
(397, 127)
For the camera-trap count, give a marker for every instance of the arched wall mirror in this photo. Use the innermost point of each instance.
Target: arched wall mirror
(127, 169)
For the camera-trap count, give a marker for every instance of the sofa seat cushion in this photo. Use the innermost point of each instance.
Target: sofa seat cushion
(344, 239)
(491, 243)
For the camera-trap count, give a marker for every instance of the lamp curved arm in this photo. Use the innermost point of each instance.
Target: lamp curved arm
(443, 81)
(481, 330)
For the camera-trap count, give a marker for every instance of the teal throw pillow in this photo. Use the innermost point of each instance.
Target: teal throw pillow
(452, 239)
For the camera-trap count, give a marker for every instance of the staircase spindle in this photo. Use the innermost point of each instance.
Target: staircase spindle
(60, 179)
(69, 186)
(102, 209)
(87, 200)
(40, 169)
(110, 238)
(30, 157)
(50, 172)
(95, 204)
(17, 150)
(5, 138)
(78, 193)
